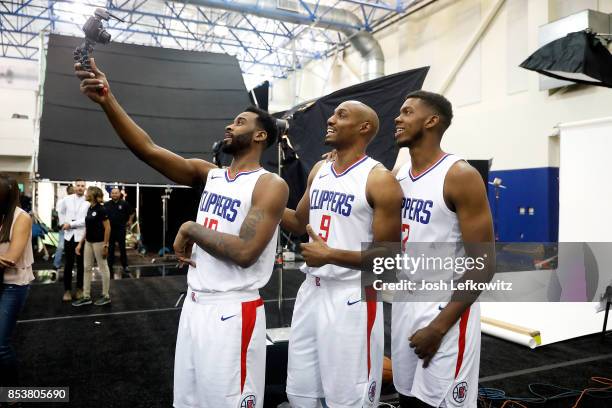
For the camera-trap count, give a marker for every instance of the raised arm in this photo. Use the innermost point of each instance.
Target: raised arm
(295, 221)
(268, 202)
(385, 196)
(21, 234)
(189, 172)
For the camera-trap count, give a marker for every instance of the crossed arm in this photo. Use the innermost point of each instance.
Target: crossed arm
(268, 202)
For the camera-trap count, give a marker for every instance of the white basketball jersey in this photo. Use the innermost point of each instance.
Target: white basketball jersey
(425, 215)
(223, 207)
(340, 213)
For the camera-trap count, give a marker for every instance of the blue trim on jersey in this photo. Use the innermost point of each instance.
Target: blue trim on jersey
(426, 171)
(351, 167)
(240, 173)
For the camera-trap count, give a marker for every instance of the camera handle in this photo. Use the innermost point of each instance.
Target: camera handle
(82, 55)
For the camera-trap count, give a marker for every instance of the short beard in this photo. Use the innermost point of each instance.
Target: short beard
(238, 144)
(410, 143)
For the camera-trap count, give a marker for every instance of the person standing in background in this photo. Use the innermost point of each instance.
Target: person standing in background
(95, 244)
(121, 216)
(16, 258)
(72, 213)
(59, 251)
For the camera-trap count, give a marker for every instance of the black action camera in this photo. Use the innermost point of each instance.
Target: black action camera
(94, 34)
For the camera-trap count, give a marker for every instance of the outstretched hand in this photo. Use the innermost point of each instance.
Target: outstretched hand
(316, 253)
(93, 84)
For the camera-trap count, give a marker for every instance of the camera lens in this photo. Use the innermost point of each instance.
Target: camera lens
(104, 37)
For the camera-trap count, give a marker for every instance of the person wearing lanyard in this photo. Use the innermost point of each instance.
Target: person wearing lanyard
(95, 245)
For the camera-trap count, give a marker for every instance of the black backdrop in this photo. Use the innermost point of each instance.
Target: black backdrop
(385, 95)
(308, 124)
(183, 99)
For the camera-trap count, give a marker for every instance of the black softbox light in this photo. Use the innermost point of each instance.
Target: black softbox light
(385, 95)
(579, 57)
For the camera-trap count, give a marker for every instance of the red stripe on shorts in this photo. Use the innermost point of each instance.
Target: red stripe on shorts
(249, 316)
(462, 328)
(371, 303)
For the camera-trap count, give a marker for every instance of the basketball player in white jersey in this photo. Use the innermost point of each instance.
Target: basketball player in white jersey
(336, 342)
(221, 345)
(436, 347)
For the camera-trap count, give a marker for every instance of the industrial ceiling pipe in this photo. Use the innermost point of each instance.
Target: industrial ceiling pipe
(373, 64)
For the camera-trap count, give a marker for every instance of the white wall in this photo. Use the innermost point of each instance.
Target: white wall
(499, 111)
(18, 85)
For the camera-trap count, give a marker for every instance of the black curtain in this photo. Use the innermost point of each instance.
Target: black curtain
(183, 99)
(308, 123)
(182, 206)
(385, 95)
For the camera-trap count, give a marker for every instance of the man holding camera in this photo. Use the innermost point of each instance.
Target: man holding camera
(221, 343)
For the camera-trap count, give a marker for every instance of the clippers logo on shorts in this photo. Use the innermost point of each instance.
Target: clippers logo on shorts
(416, 209)
(216, 204)
(372, 391)
(460, 392)
(248, 401)
(333, 201)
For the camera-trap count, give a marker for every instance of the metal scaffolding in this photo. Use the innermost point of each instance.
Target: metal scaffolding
(265, 47)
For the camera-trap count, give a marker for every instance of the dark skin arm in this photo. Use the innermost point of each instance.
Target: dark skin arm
(464, 192)
(268, 203)
(385, 196)
(189, 172)
(295, 221)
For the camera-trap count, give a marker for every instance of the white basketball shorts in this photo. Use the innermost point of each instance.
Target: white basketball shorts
(220, 358)
(336, 345)
(451, 378)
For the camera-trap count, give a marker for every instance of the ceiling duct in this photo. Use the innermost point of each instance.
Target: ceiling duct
(373, 64)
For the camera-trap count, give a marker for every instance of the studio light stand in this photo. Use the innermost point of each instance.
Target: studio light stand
(165, 197)
(279, 263)
(497, 184)
(607, 300)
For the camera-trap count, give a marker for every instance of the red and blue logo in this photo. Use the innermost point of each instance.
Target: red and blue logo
(372, 391)
(460, 392)
(249, 401)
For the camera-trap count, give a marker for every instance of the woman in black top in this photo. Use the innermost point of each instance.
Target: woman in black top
(95, 244)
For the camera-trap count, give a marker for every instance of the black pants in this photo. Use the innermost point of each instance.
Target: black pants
(70, 255)
(412, 402)
(117, 235)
